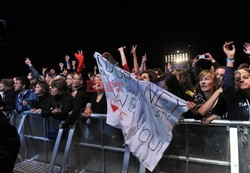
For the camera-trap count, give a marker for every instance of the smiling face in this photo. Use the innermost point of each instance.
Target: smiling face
(207, 81)
(244, 80)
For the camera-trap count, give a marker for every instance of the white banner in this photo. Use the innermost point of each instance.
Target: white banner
(144, 112)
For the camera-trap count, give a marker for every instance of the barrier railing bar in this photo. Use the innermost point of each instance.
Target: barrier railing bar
(198, 160)
(193, 121)
(37, 138)
(108, 148)
(217, 122)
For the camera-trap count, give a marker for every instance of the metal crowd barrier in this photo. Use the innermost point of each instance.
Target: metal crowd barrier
(219, 147)
(94, 146)
(41, 148)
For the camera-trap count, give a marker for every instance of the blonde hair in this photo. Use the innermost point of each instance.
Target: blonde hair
(204, 73)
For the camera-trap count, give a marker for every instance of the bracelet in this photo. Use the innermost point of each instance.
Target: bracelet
(88, 105)
(230, 60)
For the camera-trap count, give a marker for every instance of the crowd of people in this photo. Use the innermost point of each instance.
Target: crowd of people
(220, 92)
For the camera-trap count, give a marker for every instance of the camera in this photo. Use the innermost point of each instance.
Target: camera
(202, 56)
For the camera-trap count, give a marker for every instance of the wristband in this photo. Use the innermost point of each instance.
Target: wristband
(230, 60)
(88, 105)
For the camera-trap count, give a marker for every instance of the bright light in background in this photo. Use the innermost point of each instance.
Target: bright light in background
(177, 55)
(177, 58)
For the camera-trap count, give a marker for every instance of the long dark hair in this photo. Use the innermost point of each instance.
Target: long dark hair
(174, 86)
(152, 75)
(61, 85)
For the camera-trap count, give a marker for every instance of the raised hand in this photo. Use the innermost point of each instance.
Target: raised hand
(133, 50)
(27, 61)
(81, 60)
(61, 65)
(122, 48)
(44, 70)
(230, 52)
(209, 57)
(67, 57)
(246, 48)
(95, 70)
(144, 58)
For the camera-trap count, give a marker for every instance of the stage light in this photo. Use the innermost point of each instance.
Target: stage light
(177, 58)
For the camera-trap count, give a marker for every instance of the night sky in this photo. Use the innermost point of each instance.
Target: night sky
(47, 33)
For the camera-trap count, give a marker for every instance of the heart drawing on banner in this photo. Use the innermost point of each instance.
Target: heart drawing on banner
(113, 106)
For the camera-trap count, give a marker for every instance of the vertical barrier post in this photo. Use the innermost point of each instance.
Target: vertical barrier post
(142, 169)
(20, 127)
(234, 151)
(103, 153)
(126, 160)
(67, 148)
(53, 156)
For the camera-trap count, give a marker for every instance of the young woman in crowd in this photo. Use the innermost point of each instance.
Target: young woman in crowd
(60, 102)
(236, 95)
(207, 96)
(42, 91)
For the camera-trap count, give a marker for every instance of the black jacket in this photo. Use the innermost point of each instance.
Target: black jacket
(237, 103)
(79, 102)
(9, 145)
(64, 102)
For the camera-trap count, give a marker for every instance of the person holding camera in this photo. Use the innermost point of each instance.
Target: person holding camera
(197, 65)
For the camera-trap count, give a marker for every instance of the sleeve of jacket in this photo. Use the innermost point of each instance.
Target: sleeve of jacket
(67, 107)
(46, 108)
(228, 86)
(80, 101)
(35, 73)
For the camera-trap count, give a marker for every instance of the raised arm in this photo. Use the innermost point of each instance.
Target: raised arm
(136, 65)
(247, 49)
(230, 53)
(124, 59)
(81, 61)
(143, 66)
(228, 80)
(208, 105)
(209, 57)
(73, 66)
(67, 59)
(61, 65)
(33, 70)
